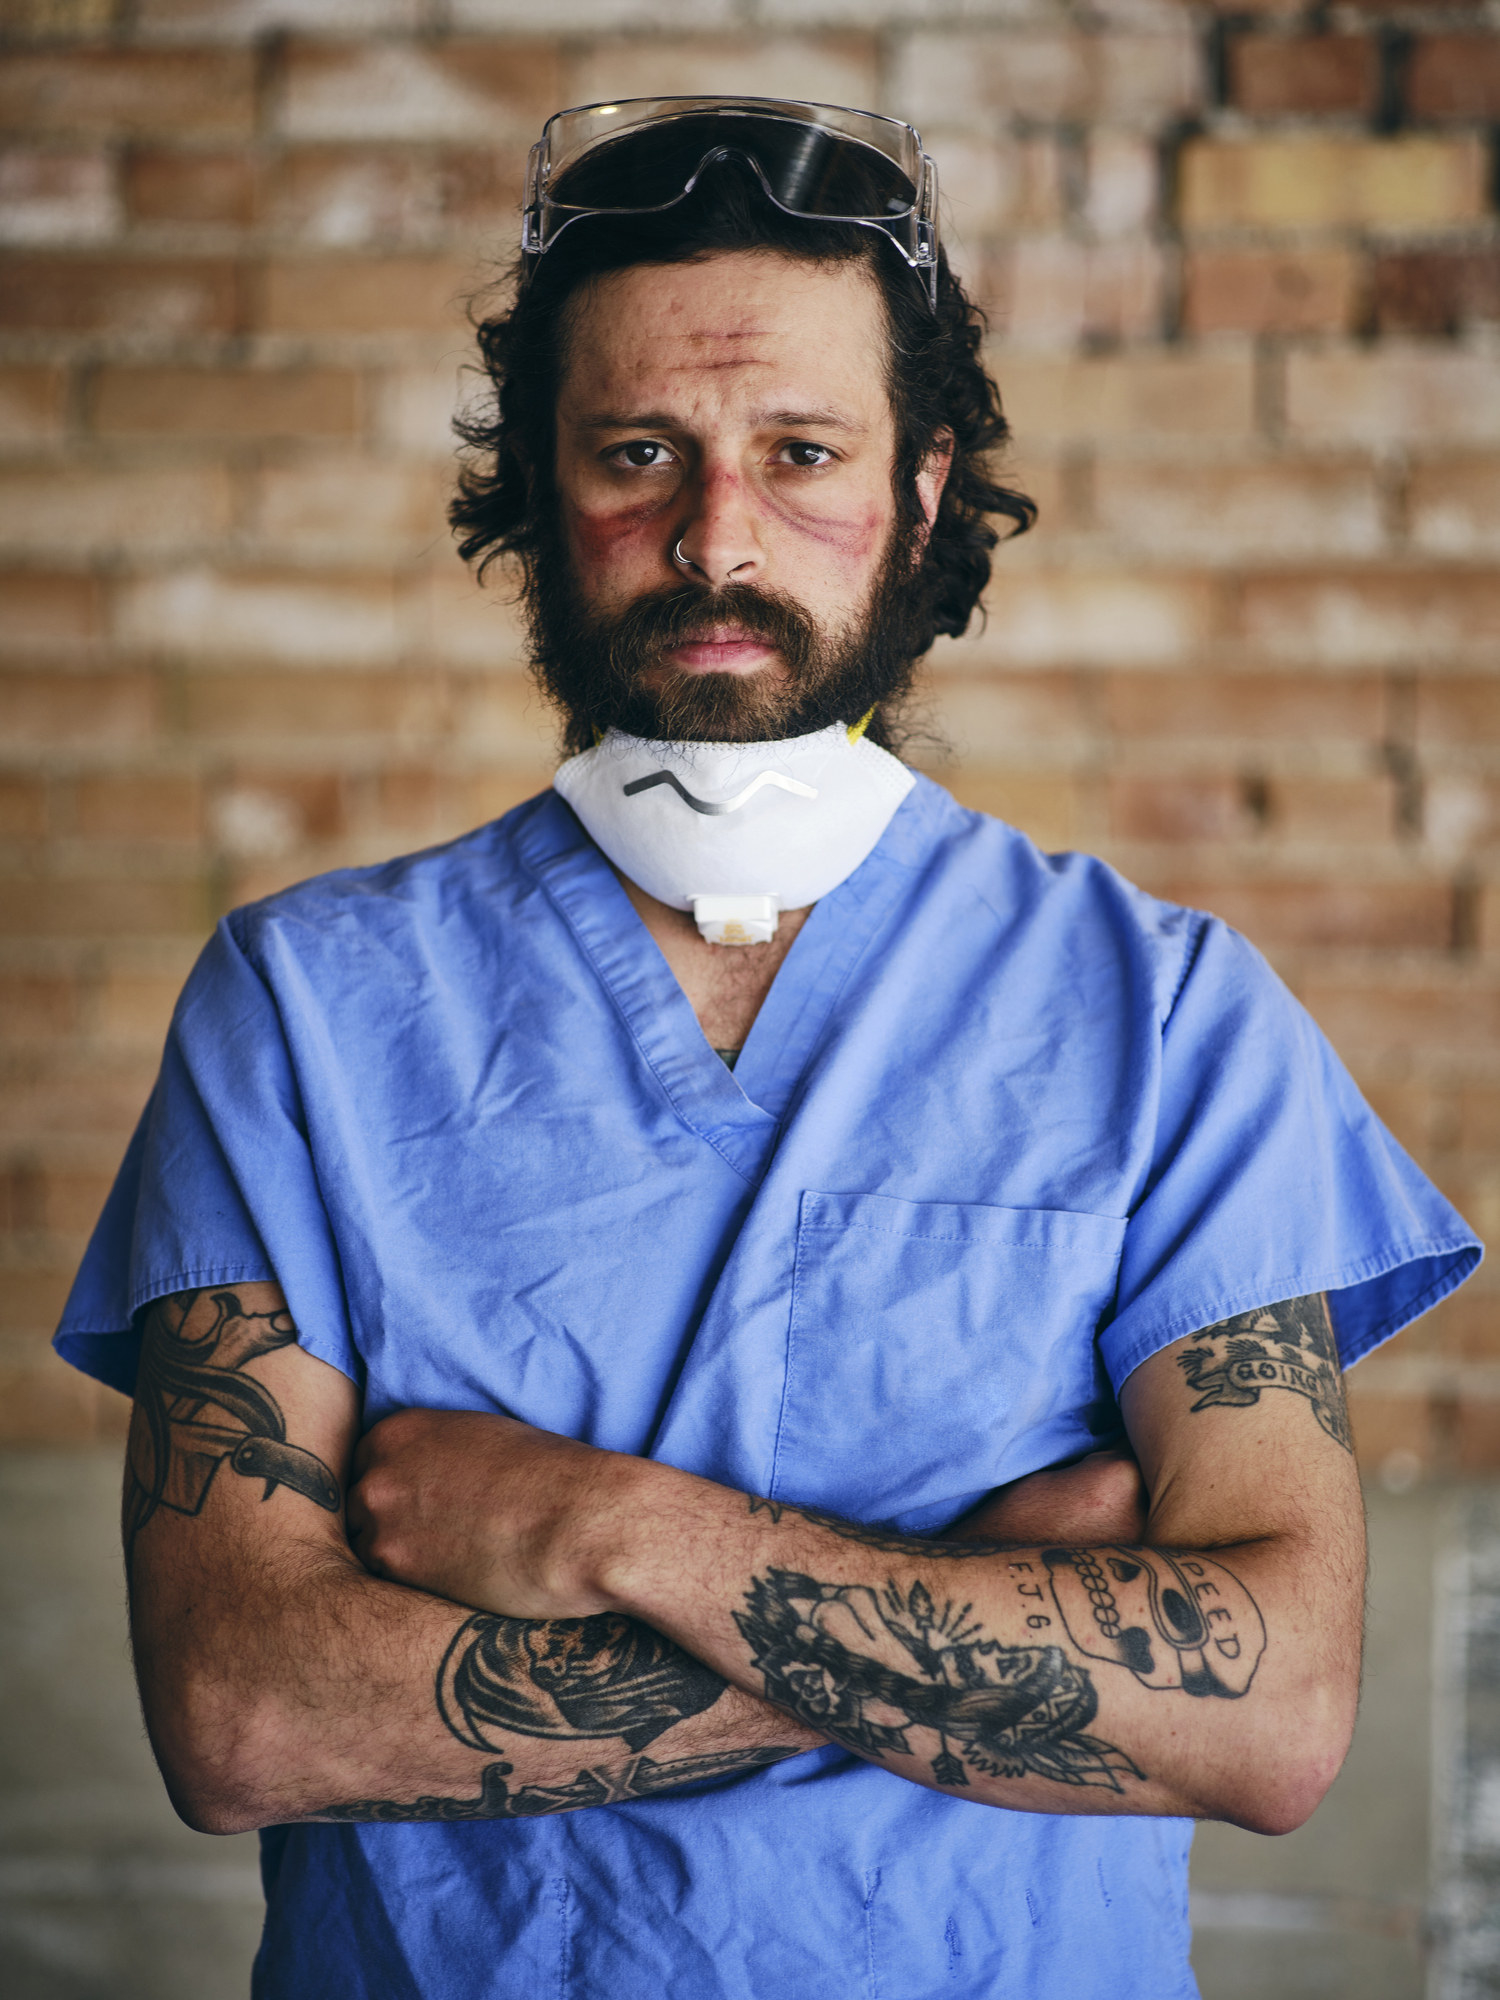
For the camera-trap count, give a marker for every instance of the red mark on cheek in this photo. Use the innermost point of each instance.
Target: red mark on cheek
(855, 539)
(601, 540)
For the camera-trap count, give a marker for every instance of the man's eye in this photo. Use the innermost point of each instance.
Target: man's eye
(801, 453)
(642, 453)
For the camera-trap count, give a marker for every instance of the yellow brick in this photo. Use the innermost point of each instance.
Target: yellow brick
(1127, 395)
(1308, 181)
(67, 510)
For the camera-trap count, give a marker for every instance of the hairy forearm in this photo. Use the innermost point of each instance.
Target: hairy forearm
(281, 1680)
(340, 1696)
(1131, 1680)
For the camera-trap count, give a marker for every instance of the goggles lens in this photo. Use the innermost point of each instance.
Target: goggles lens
(820, 162)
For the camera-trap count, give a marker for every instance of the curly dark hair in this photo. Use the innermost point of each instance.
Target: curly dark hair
(937, 380)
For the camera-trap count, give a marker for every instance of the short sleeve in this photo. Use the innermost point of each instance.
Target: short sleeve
(218, 1184)
(1272, 1178)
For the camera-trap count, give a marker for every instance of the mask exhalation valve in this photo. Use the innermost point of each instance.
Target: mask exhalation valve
(736, 919)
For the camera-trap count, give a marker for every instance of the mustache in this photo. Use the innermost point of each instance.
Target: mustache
(653, 624)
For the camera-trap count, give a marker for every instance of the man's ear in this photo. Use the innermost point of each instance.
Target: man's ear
(932, 477)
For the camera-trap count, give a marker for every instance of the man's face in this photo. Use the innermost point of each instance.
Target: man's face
(734, 411)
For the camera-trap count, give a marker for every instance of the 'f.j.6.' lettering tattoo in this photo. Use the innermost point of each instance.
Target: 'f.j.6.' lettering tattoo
(196, 1410)
(1285, 1346)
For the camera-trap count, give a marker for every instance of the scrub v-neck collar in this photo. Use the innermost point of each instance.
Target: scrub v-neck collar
(736, 1112)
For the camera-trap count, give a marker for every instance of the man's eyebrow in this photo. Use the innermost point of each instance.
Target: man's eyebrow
(780, 420)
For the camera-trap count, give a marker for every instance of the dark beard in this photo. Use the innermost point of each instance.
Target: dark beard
(595, 667)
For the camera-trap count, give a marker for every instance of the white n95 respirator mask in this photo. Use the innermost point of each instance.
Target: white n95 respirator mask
(736, 832)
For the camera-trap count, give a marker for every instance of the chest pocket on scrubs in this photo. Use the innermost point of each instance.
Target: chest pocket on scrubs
(937, 1349)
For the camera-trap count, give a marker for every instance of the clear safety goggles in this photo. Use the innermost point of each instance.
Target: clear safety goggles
(819, 161)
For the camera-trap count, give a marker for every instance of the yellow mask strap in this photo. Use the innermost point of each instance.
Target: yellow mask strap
(857, 729)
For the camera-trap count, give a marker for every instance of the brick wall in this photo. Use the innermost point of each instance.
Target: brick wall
(1245, 286)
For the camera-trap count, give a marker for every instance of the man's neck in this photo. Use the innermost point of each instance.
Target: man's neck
(724, 983)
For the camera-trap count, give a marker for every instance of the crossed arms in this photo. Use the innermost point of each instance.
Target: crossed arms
(531, 1625)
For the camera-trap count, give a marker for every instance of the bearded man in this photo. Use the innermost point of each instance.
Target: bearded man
(834, 1318)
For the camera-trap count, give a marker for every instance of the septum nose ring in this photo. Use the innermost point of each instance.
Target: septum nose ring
(682, 561)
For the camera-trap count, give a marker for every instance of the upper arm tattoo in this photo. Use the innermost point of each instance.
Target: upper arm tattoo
(197, 1410)
(1285, 1346)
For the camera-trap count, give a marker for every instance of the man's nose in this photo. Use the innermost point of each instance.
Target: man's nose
(719, 543)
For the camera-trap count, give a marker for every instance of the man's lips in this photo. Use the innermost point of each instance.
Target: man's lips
(725, 650)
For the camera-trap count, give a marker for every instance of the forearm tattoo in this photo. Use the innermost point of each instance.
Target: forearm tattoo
(196, 1410)
(605, 1676)
(1285, 1346)
(876, 1668)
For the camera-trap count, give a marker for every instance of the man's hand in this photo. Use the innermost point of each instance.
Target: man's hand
(1099, 1498)
(485, 1510)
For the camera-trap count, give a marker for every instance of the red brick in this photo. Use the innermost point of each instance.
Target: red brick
(170, 184)
(1454, 76)
(1282, 912)
(483, 91)
(1250, 707)
(1463, 1327)
(136, 1007)
(1422, 391)
(38, 1006)
(1435, 291)
(1407, 1110)
(1477, 1437)
(165, 805)
(229, 402)
(48, 1402)
(990, 720)
(1453, 506)
(35, 1199)
(298, 707)
(49, 194)
(1270, 75)
(122, 93)
(347, 195)
(1384, 1425)
(1179, 809)
(73, 1097)
(1255, 290)
(972, 77)
(1359, 811)
(129, 295)
(1409, 1020)
(362, 509)
(1245, 509)
(1419, 616)
(1456, 708)
(320, 617)
(1140, 394)
(1047, 807)
(1051, 291)
(110, 908)
(53, 711)
(23, 807)
(367, 295)
(1312, 180)
(835, 68)
(260, 810)
(73, 509)
(1038, 618)
(33, 405)
(1479, 1121)
(42, 611)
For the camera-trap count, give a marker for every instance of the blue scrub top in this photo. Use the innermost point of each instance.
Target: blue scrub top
(1004, 1127)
